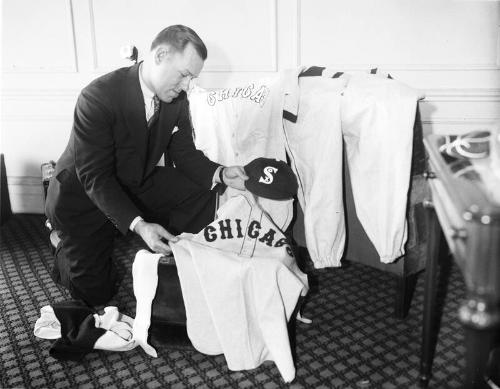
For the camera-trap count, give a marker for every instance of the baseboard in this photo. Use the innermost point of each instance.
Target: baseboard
(26, 194)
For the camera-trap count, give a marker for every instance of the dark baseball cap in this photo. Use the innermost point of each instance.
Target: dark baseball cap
(271, 179)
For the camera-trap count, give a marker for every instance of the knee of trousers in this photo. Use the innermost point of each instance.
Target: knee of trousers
(94, 293)
(95, 288)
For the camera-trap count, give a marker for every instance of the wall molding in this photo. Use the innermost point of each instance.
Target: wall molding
(430, 67)
(93, 39)
(442, 95)
(274, 45)
(463, 95)
(415, 67)
(26, 194)
(437, 94)
(38, 118)
(29, 181)
(73, 68)
(33, 96)
(296, 33)
(460, 120)
(49, 94)
(272, 67)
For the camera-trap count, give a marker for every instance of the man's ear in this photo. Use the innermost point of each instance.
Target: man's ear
(161, 53)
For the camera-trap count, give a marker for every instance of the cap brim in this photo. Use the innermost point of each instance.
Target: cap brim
(272, 195)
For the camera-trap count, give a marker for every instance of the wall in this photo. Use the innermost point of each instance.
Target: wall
(51, 49)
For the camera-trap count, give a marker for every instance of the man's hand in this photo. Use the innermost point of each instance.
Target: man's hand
(235, 177)
(155, 237)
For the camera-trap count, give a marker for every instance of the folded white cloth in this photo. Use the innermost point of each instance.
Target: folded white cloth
(118, 335)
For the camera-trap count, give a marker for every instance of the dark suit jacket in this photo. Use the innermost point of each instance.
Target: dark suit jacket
(107, 156)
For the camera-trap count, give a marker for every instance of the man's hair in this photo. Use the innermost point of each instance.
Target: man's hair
(178, 36)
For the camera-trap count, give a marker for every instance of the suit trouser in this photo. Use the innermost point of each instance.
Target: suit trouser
(83, 264)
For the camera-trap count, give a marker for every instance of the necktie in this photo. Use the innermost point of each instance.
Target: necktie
(156, 110)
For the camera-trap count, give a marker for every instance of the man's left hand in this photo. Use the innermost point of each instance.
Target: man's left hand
(235, 177)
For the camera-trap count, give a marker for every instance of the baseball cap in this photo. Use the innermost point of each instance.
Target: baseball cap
(271, 179)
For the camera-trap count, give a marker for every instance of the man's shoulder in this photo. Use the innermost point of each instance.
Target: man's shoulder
(110, 82)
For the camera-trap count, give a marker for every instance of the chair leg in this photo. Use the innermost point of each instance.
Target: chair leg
(405, 287)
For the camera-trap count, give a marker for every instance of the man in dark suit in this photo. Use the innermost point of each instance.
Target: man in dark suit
(108, 177)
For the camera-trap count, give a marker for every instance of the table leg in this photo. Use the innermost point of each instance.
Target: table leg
(434, 241)
(480, 320)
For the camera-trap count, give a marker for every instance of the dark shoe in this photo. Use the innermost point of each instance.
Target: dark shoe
(54, 238)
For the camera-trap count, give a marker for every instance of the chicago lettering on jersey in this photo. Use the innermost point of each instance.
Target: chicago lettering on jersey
(257, 95)
(232, 229)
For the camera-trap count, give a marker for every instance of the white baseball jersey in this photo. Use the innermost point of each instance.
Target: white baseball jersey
(235, 125)
(372, 115)
(240, 284)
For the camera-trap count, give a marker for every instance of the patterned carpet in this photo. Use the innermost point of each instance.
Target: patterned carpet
(353, 342)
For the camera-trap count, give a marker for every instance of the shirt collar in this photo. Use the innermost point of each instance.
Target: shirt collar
(147, 93)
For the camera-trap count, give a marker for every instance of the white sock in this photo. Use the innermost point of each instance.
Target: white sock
(145, 280)
(47, 326)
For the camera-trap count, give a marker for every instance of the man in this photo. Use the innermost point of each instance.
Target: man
(107, 177)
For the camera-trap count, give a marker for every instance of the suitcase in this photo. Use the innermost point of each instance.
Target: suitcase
(168, 314)
(168, 304)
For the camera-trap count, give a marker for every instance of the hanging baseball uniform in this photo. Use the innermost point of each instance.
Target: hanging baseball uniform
(237, 124)
(374, 116)
(378, 115)
(314, 145)
(240, 284)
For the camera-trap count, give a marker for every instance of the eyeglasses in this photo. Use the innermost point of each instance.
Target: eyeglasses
(187, 81)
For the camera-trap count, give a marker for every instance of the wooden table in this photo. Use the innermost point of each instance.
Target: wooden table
(464, 214)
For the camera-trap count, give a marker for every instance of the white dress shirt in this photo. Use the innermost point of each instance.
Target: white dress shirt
(148, 96)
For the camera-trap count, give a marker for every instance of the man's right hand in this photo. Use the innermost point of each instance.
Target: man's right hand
(234, 177)
(155, 236)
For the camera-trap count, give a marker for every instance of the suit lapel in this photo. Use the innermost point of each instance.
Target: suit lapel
(136, 122)
(134, 112)
(162, 134)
